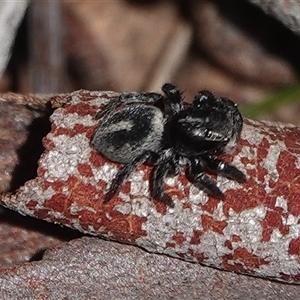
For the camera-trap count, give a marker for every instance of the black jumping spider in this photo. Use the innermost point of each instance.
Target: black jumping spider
(161, 130)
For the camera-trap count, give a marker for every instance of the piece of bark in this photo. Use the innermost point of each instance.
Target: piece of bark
(254, 231)
(11, 14)
(288, 12)
(90, 268)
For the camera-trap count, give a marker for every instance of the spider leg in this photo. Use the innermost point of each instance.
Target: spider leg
(123, 174)
(173, 101)
(174, 167)
(218, 166)
(196, 175)
(161, 170)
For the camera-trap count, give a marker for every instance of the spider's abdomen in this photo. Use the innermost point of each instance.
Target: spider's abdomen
(196, 131)
(128, 132)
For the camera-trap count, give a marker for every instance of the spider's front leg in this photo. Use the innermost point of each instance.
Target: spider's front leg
(124, 173)
(173, 100)
(164, 167)
(197, 176)
(218, 166)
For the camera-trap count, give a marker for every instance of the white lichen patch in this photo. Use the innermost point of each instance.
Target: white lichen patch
(294, 228)
(34, 192)
(63, 160)
(271, 160)
(276, 236)
(138, 186)
(290, 220)
(212, 246)
(297, 163)
(142, 207)
(197, 196)
(251, 134)
(247, 225)
(124, 209)
(76, 209)
(70, 120)
(49, 192)
(225, 184)
(172, 181)
(107, 172)
(76, 97)
(218, 213)
(161, 228)
(276, 253)
(281, 202)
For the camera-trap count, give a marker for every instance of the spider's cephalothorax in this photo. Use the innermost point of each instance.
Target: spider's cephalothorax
(159, 129)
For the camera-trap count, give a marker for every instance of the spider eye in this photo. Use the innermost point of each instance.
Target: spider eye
(214, 136)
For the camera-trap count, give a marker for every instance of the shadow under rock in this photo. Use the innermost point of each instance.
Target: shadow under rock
(30, 152)
(46, 229)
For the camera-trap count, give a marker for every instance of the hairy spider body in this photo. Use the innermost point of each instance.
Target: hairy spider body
(129, 132)
(159, 129)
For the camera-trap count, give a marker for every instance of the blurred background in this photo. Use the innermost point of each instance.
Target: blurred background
(248, 51)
